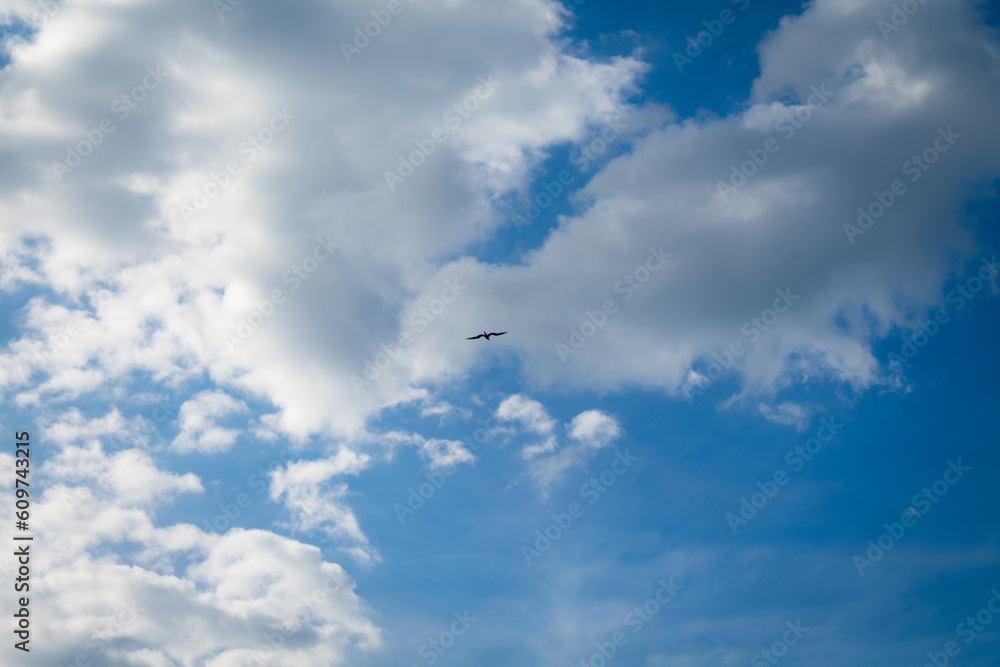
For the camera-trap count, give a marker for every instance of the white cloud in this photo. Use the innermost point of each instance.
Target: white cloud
(787, 413)
(594, 429)
(318, 504)
(445, 411)
(544, 447)
(530, 413)
(253, 589)
(171, 321)
(547, 463)
(192, 282)
(197, 421)
(131, 476)
(120, 588)
(730, 257)
(255, 574)
(80, 333)
(74, 426)
(446, 453)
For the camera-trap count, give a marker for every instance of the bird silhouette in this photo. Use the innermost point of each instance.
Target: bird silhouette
(486, 335)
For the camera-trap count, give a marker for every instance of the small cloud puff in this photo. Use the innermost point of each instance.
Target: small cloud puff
(199, 432)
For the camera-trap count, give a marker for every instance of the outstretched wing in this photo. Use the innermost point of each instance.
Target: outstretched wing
(475, 337)
(498, 334)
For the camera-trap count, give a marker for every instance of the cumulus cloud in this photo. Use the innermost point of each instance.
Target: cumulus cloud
(73, 426)
(255, 595)
(123, 206)
(594, 429)
(730, 246)
(309, 597)
(130, 476)
(117, 286)
(529, 413)
(197, 423)
(846, 120)
(122, 586)
(446, 453)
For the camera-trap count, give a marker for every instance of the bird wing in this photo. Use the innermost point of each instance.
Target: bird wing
(475, 337)
(498, 334)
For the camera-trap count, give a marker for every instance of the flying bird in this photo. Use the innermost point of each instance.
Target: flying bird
(486, 335)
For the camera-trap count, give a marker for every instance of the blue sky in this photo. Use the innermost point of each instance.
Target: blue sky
(743, 412)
